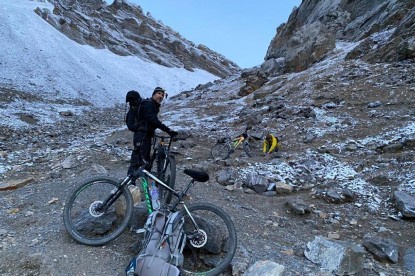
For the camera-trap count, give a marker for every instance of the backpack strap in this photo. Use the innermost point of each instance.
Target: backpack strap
(176, 241)
(157, 221)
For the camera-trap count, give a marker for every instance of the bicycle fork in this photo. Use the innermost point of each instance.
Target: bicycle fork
(198, 238)
(114, 195)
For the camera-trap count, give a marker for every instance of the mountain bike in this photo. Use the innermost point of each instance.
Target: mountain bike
(165, 164)
(99, 210)
(223, 148)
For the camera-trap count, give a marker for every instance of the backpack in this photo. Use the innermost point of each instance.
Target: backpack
(132, 115)
(163, 245)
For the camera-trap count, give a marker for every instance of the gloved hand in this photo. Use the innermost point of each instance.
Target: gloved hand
(173, 133)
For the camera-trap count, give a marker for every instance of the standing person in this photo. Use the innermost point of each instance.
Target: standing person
(270, 145)
(147, 124)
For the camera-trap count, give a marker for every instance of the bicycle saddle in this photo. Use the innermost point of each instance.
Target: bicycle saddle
(197, 175)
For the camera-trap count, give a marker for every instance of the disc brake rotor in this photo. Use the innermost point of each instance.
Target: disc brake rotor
(93, 209)
(199, 239)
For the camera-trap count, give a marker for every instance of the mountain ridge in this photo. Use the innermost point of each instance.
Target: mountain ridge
(124, 29)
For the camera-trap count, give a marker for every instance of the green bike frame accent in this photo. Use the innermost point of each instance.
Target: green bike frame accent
(144, 184)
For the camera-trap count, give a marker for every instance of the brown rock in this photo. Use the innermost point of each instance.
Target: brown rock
(15, 184)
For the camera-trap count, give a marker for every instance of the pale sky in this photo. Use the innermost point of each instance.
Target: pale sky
(239, 30)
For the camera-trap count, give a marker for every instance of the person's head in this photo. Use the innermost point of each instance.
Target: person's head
(158, 94)
(269, 137)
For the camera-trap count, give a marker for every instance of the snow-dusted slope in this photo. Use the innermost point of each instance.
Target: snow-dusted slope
(37, 58)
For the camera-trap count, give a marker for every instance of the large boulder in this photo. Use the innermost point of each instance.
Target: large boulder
(310, 44)
(339, 257)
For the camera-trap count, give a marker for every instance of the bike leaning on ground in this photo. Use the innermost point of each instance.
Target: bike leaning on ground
(99, 210)
(222, 149)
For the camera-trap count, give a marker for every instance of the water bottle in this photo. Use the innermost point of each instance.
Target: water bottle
(154, 196)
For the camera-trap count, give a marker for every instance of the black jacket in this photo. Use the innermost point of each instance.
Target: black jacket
(149, 121)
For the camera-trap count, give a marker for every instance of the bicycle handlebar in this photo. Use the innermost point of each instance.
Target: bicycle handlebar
(165, 146)
(172, 138)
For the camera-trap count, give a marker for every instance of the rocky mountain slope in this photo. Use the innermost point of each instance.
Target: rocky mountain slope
(347, 156)
(337, 199)
(314, 28)
(124, 29)
(344, 154)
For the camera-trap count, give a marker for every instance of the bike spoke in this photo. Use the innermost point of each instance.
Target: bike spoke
(211, 247)
(220, 151)
(88, 221)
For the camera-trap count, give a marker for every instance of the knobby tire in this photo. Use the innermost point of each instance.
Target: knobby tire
(216, 255)
(85, 224)
(169, 179)
(220, 151)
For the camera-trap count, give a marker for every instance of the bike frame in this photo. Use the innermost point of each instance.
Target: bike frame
(237, 141)
(144, 183)
(144, 175)
(179, 196)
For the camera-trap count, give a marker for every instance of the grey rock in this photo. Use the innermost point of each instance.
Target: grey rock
(240, 261)
(374, 104)
(273, 67)
(405, 204)
(298, 206)
(409, 259)
(341, 258)
(98, 169)
(410, 143)
(265, 268)
(93, 225)
(225, 177)
(254, 80)
(395, 147)
(283, 188)
(256, 182)
(383, 249)
(333, 196)
(69, 162)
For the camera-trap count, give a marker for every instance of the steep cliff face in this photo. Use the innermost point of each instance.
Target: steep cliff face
(313, 29)
(124, 29)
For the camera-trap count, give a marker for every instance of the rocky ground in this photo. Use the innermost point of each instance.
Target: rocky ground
(339, 129)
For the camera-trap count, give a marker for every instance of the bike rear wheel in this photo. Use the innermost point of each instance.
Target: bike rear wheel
(220, 151)
(89, 225)
(209, 250)
(168, 176)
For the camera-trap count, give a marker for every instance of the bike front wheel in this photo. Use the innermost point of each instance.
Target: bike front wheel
(212, 244)
(247, 149)
(168, 176)
(220, 151)
(86, 222)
